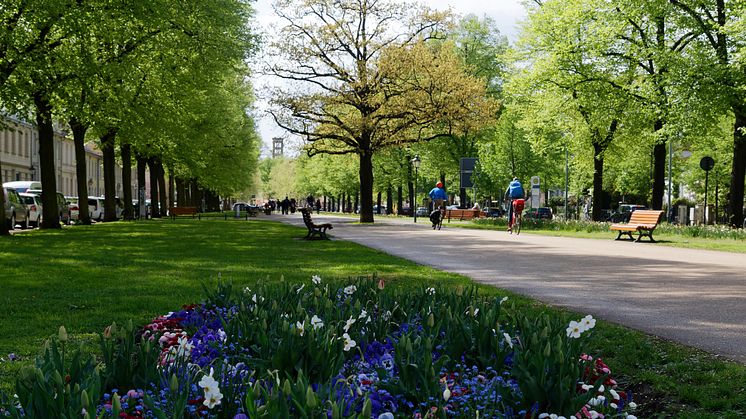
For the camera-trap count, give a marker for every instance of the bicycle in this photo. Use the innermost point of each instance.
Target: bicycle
(515, 224)
(437, 222)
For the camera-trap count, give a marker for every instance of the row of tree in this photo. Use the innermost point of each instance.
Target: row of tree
(604, 86)
(159, 82)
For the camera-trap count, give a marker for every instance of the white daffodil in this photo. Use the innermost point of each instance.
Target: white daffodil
(508, 340)
(184, 347)
(446, 393)
(316, 280)
(212, 399)
(613, 405)
(430, 291)
(632, 405)
(586, 387)
(588, 322)
(301, 327)
(601, 389)
(349, 290)
(363, 315)
(503, 300)
(316, 322)
(349, 343)
(247, 290)
(349, 324)
(209, 384)
(574, 330)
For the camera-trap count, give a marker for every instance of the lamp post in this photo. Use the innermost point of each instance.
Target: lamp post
(416, 164)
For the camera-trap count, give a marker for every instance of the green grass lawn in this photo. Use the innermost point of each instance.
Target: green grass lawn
(85, 277)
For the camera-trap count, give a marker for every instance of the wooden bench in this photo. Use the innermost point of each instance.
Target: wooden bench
(176, 211)
(641, 221)
(462, 214)
(313, 228)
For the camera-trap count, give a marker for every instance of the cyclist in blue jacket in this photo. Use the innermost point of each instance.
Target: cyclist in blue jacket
(514, 191)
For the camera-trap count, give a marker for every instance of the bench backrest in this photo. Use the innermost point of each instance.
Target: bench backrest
(651, 217)
(182, 210)
(306, 216)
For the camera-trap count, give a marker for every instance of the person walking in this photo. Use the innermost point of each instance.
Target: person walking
(438, 195)
(514, 191)
(285, 205)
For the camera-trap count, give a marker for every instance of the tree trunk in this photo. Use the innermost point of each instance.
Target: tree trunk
(142, 162)
(110, 180)
(659, 170)
(598, 181)
(343, 203)
(399, 199)
(179, 192)
(324, 204)
(81, 169)
(153, 167)
(738, 168)
(3, 224)
(127, 211)
(378, 203)
(51, 212)
(162, 188)
(171, 189)
(366, 187)
(412, 199)
(389, 200)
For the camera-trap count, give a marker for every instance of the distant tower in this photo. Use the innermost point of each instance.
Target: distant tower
(277, 146)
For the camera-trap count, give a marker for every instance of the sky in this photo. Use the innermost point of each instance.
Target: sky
(506, 14)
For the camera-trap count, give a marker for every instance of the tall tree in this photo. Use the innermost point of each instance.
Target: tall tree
(719, 24)
(367, 80)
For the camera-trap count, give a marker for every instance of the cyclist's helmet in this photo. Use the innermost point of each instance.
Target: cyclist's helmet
(439, 184)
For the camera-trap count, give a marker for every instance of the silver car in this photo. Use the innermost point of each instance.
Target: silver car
(34, 207)
(15, 210)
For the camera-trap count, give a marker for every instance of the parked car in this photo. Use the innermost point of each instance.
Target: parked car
(62, 205)
(543, 213)
(23, 185)
(96, 208)
(34, 207)
(422, 212)
(240, 206)
(15, 210)
(74, 209)
(624, 212)
(494, 212)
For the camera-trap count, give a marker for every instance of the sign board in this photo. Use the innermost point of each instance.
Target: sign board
(707, 163)
(467, 166)
(535, 192)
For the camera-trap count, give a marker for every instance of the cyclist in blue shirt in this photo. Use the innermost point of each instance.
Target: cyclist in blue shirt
(514, 191)
(438, 195)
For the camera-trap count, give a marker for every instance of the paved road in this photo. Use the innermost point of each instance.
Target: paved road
(695, 297)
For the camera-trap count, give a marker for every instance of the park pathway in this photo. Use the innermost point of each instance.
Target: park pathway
(695, 297)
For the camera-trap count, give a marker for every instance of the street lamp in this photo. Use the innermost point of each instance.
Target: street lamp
(416, 164)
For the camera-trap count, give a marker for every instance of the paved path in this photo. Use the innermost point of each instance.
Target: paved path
(695, 297)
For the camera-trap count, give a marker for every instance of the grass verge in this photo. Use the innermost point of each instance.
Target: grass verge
(85, 277)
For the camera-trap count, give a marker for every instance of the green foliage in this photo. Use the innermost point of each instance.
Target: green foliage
(128, 361)
(60, 384)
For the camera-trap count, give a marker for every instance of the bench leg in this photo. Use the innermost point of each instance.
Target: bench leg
(628, 233)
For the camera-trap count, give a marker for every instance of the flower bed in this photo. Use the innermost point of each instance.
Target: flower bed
(315, 350)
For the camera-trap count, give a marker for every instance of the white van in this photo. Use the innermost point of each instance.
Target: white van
(23, 185)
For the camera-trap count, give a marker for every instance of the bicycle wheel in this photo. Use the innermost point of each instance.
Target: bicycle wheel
(517, 224)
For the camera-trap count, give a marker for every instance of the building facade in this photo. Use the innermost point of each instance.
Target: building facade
(19, 158)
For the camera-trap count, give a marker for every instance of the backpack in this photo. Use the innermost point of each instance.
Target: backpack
(515, 190)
